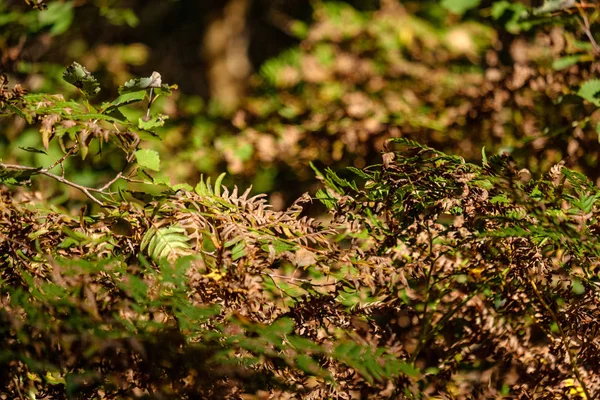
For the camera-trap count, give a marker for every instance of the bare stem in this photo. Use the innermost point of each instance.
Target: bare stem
(585, 26)
(61, 160)
(113, 180)
(86, 190)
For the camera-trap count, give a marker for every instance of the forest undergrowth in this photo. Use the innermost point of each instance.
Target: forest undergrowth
(429, 275)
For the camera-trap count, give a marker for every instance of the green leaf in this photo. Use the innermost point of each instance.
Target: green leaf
(279, 246)
(500, 199)
(218, 184)
(136, 84)
(360, 173)
(183, 186)
(460, 6)
(124, 99)
(78, 76)
(165, 90)
(299, 29)
(409, 370)
(148, 159)
(513, 15)
(326, 198)
(154, 122)
(33, 150)
(566, 62)
(310, 366)
(589, 91)
(551, 6)
(578, 287)
(18, 112)
(238, 251)
(54, 378)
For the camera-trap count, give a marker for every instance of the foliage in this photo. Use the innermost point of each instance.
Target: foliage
(505, 78)
(491, 277)
(431, 277)
(206, 323)
(78, 125)
(449, 276)
(501, 76)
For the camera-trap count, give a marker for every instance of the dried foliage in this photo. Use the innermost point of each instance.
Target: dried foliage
(255, 296)
(435, 278)
(491, 277)
(8, 96)
(432, 277)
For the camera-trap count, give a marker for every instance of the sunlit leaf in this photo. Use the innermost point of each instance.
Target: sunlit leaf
(137, 84)
(590, 91)
(154, 122)
(148, 159)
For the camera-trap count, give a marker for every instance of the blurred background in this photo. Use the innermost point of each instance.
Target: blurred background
(267, 86)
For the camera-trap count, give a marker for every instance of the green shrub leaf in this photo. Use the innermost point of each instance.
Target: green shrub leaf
(590, 91)
(78, 76)
(148, 159)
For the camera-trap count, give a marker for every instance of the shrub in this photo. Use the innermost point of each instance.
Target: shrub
(430, 277)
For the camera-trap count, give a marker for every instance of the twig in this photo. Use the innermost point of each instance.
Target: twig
(132, 180)
(149, 104)
(18, 389)
(585, 26)
(57, 178)
(60, 160)
(281, 291)
(113, 180)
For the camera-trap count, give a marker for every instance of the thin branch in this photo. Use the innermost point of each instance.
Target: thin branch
(61, 160)
(113, 180)
(149, 104)
(57, 178)
(585, 26)
(132, 180)
(281, 291)
(18, 388)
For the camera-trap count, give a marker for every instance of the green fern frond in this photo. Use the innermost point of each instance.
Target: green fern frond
(204, 188)
(165, 242)
(411, 143)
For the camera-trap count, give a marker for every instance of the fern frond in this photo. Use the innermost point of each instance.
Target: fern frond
(164, 242)
(411, 143)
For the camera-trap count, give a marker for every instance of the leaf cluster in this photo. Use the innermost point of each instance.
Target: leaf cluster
(492, 275)
(433, 274)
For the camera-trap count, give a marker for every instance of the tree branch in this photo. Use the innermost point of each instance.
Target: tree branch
(87, 191)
